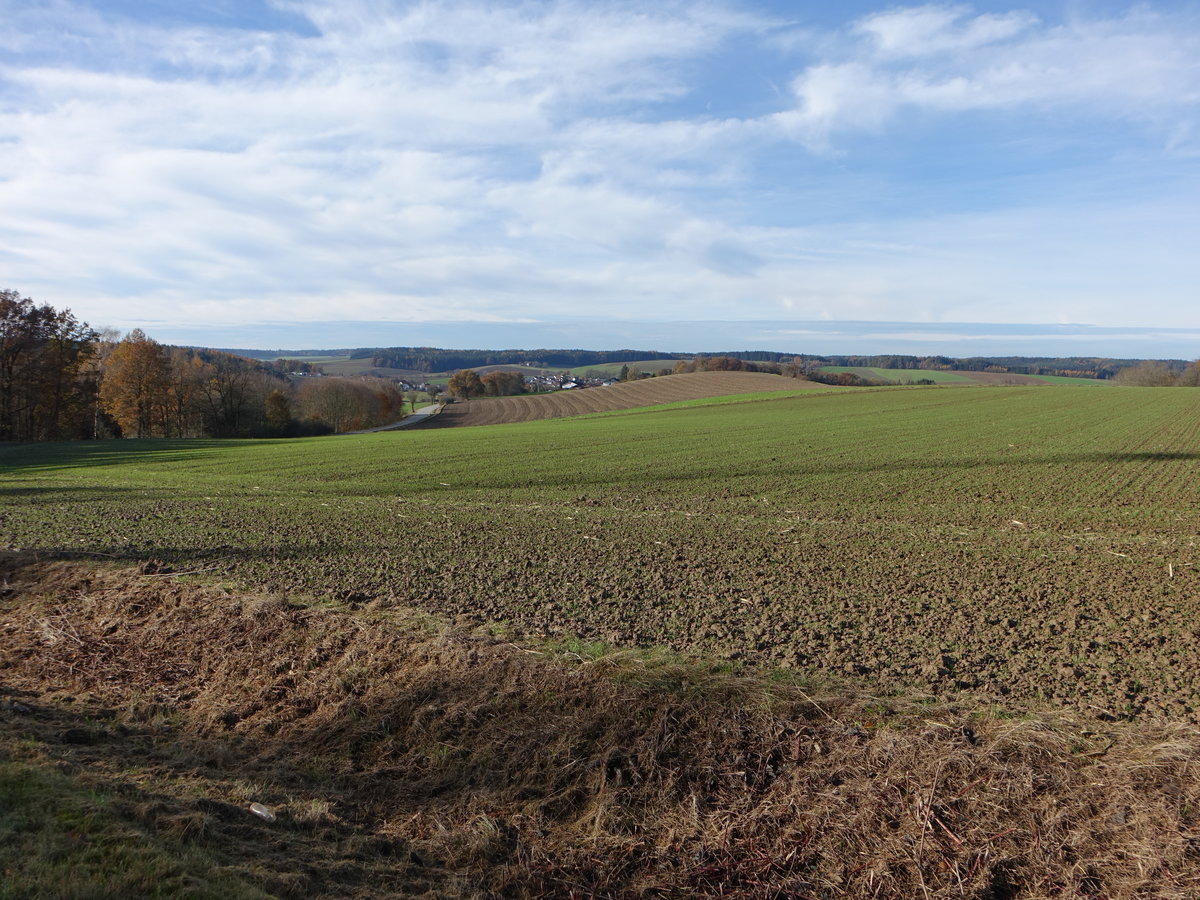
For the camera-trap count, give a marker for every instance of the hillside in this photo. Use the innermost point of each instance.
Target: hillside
(937, 376)
(626, 395)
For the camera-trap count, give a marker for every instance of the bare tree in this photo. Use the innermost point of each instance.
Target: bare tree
(1150, 373)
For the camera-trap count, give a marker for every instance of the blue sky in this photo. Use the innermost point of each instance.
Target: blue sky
(254, 173)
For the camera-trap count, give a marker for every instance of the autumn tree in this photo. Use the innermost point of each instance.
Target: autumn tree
(45, 391)
(466, 384)
(723, 364)
(503, 384)
(136, 385)
(279, 412)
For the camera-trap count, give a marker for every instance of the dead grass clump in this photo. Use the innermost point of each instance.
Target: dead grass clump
(526, 774)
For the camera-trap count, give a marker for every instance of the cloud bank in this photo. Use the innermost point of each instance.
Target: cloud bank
(480, 162)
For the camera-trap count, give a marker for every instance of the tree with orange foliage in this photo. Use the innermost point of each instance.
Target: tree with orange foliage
(136, 386)
(466, 384)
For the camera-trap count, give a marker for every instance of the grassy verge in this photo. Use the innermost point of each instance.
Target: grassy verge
(66, 836)
(414, 759)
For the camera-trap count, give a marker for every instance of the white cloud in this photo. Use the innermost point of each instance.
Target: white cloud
(926, 30)
(467, 160)
(942, 59)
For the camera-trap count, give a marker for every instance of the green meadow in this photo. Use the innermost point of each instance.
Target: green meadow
(911, 376)
(900, 376)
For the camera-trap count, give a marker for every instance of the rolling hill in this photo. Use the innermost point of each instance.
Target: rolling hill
(627, 395)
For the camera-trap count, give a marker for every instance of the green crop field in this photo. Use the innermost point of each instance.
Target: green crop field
(612, 370)
(344, 365)
(1069, 380)
(1012, 543)
(900, 376)
(911, 376)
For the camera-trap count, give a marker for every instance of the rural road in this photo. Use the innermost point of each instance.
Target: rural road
(419, 416)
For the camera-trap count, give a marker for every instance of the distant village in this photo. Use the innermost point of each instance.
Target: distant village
(533, 383)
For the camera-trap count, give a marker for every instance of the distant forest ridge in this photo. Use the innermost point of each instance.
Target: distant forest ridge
(433, 359)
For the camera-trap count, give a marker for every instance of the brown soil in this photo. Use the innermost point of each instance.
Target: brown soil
(406, 758)
(627, 395)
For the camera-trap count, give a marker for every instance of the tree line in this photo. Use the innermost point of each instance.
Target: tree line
(60, 379)
(467, 383)
(48, 375)
(1154, 373)
(431, 359)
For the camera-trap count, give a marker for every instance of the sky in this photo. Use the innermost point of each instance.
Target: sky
(957, 178)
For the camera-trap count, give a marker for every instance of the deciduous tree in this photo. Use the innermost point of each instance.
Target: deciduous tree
(1150, 373)
(466, 384)
(45, 391)
(351, 404)
(503, 384)
(279, 411)
(136, 385)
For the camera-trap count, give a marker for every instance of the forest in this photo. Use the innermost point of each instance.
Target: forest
(431, 359)
(62, 380)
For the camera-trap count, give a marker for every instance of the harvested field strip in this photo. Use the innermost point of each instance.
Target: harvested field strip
(629, 395)
(1010, 544)
(402, 758)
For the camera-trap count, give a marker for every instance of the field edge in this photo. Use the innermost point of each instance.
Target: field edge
(402, 755)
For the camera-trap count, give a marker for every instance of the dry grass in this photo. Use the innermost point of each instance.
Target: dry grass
(486, 769)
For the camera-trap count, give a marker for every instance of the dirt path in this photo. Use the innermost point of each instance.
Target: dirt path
(416, 418)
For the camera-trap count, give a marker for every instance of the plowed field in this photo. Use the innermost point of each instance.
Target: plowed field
(628, 395)
(1014, 545)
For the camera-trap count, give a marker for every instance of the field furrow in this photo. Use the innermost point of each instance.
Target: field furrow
(629, 395)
